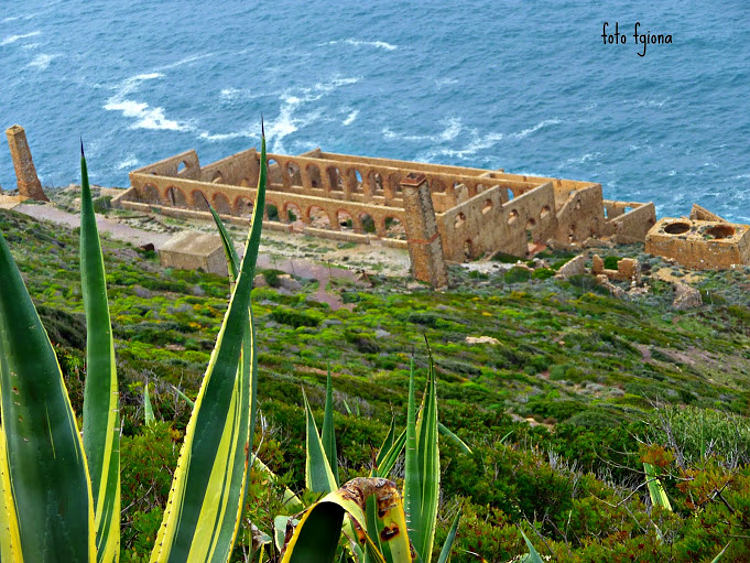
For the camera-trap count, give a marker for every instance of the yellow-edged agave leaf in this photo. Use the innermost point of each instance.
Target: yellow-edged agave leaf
(316, 536)
(46, 465)
(247, 388)
(318, 474)
(389, 452)
(386, 522)
(10, 542)
(101, 414)
(655, 489)
(202, 515)
(422, 467)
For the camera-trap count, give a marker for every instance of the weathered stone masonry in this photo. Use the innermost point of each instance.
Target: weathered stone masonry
(438, 212)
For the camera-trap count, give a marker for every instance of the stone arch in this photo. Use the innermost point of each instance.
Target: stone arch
(221, 204)
(292, 212)
(513, 217)
(394, 228)
(272, 211)
(487, 206)
(217, 178)
(511, 193)
(175, 197)
(572, 235)
(294, 174)
(318, 217)
(368, 225)
(356, 183)
(345, 221)
(274, 172)
(245, 182)
(394, 179)
(150, 194)
(544, 213)
(243, 206)
(182, 167)
(335, 181)
(199, 200)
(376, 182)
(459, 221)
(313, 172)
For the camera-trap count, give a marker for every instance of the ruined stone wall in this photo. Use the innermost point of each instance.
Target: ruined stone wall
(487, 224)
(699, 244)
(581, 215)
(475, 212)
(631, 226)
(28, 182)
(184, 165)
(240, 169)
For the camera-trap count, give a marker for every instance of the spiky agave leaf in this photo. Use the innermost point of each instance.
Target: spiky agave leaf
(44, 458)
(202, 514)
(318, 474)
(316, 536)
(533, 555)
(445, 553)
(101, 411)
(329, 432)
(422, 467)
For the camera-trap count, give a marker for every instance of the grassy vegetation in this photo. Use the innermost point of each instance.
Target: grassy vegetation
(574, 378)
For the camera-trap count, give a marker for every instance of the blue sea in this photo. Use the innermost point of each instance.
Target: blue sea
(524, 85)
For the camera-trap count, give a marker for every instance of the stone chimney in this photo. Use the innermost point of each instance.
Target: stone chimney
(425, 246)
(28, 182)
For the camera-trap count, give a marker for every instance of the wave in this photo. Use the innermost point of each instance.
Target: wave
(13, 38)
(535, 128)
(146, 117)
(351, 117)
(130, 162)
(289, 121)
(186, 60)
(359, 43)
(42, 61)
(588, 157)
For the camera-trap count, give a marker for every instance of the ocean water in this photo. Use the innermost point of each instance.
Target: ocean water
(522, 85)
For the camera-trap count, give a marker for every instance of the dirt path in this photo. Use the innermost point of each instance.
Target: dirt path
(138, 237)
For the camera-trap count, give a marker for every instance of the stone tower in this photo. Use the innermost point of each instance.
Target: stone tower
(28, 182)
(425, 245)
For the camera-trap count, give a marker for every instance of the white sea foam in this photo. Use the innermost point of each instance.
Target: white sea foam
(289, 120)
(146, 117)
(229, 93)
(130, 162)
(588, 157)
(13, 38)
(215, 137)
(42, 61)
(359, 43)
(452, 129)
(351, 117)
(29, 46)
(535, 128)
(186, 60)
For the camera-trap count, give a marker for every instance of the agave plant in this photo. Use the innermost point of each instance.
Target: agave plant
(60, 493)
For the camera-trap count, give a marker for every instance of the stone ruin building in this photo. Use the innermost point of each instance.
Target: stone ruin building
(703, 241)
(29, 186)
(439, 213)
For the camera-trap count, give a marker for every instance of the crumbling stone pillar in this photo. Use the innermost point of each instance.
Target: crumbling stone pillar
(28, 182)
(425, 246)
